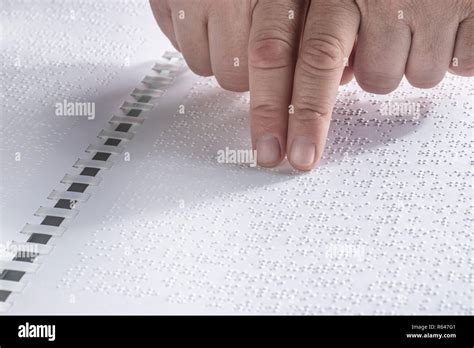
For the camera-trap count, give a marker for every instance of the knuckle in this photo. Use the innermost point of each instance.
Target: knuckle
(267, 110)
(422, 81)
(265, 115)
(378, 83)
(322, 54)
(466, 72)
(270, 53)
(427, 76)
(200, 69)
(464, 67)
(232, 81)
(309, 111)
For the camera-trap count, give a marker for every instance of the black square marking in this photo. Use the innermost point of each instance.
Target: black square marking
(101, 156)
(144, 99)
(112, 142)
(11, 275)
(134, 112)
(123, 127)
(52, 220)
(90, 171)
(39, 238)
(64, 204)
(4, 295)
(76, 187)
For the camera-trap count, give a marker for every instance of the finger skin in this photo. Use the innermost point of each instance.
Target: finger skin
(430, 53)
(462, 63)
(273, 47)
(329, 36)
(190, 25)
(383, 46)
(348, 73)
(228, 32)
(162, 13)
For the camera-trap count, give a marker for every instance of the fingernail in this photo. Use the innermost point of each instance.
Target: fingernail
(268, 150)
(303, 152)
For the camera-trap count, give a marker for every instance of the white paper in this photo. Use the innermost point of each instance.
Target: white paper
(381, 227)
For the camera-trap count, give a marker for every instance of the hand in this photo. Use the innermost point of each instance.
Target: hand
(419, 38)
(294, 69)
(294, 76)
(212, 35)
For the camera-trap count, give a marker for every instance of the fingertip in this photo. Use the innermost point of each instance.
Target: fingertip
(462, 71)
(269, 151)
(423, 83)
(233, 82)
(377, 83)
(303, 154)
(201, 70)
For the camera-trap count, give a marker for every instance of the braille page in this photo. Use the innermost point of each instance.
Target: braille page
(93, 52)
(381, 227)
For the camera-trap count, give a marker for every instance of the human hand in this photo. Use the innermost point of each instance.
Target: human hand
(299, 52)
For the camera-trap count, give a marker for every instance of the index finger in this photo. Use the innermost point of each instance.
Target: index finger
(273, 47)
(329, 35)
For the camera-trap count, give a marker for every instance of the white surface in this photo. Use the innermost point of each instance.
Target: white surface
(174, 231)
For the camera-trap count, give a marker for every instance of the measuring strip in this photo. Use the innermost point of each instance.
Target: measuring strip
(56, 219)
